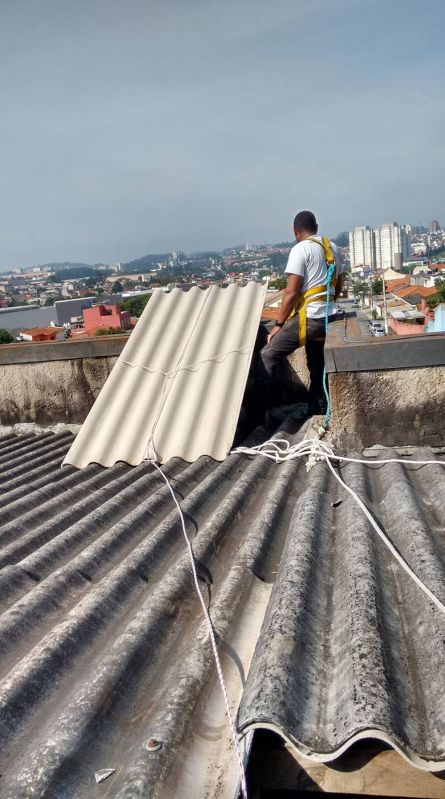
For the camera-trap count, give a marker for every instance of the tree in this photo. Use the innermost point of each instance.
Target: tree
(5, 337)
(118, 287)
(360, 289)
(108, 331)
(342, 239)
(439, 296)
(377, 286)
(136, 305)
(278, 284)
(277, 260)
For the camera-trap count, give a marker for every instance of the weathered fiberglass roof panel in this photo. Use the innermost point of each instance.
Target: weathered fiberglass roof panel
(177, 387)
(322, 636)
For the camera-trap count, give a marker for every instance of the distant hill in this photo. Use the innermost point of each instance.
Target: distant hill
(145, 263)
(70, 273)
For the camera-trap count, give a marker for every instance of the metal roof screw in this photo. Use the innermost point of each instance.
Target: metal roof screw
(153, 744)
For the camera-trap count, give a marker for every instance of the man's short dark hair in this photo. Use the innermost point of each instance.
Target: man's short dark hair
(305, 220)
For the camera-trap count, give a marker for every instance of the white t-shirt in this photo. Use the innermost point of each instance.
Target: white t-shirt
(306, 258)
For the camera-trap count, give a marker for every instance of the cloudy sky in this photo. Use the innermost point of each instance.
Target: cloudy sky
(135, 126)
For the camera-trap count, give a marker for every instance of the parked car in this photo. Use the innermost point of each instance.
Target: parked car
(378, 332)
(374, 324)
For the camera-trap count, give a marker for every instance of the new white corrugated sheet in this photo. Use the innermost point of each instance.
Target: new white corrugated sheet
(177, 387)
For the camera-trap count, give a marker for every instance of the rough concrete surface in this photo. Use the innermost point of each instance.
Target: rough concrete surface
(51, 392)
(392, 408)
(103, 645)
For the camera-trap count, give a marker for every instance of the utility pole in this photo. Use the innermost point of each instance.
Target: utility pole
(385, 310)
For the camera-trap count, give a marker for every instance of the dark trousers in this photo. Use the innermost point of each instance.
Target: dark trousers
(287, 341)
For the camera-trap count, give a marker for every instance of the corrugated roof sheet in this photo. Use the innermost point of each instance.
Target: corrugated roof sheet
(204, 341)
(322, 636)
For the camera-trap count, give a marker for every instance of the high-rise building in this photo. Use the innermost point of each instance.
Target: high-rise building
(361, 247)
(434, 226)
(381, 248)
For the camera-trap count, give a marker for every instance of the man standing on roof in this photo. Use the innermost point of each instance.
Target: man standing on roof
(301, 317)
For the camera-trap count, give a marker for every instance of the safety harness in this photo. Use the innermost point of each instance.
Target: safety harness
(316, 292)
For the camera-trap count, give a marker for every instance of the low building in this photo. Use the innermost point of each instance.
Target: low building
(105, 316)
(49, 333)
(415, 293)
(406, 322)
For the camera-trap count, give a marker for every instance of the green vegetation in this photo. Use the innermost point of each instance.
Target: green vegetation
(145, 263)
(79, 272)
(360, 290)
(439, 296)
(5, 337)
(342, 239)
(117, 287)
(377, 286)
(278, 284)
(135, 305)
(108, 331)
(277, 260)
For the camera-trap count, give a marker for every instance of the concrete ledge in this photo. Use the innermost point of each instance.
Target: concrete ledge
(54, 382)
(393, 353)
(95, 347)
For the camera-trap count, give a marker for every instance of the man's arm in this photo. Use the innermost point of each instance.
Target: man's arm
(291, 292)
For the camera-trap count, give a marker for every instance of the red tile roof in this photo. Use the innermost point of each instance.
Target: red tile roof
(393, 284)
(42, 331)
(269, 313)
(407, 291)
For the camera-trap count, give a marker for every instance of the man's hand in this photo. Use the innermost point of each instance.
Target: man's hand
(273, 333)
(291, 292)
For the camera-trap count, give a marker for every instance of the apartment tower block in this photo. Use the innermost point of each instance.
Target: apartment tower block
(384, 247)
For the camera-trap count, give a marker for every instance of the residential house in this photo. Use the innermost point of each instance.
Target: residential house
(105, 316)
(48, 333)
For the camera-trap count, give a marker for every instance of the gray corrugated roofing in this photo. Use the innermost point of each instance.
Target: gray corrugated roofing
(322, 636)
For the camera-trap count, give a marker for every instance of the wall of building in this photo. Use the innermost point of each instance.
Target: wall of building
(405, 328)
(24, 318)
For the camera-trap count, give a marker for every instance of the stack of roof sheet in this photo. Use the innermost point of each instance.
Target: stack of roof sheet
(177, 387)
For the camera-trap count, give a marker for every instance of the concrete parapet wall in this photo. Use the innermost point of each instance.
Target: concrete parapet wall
(401, 403)
(54, 382)
(389, 407)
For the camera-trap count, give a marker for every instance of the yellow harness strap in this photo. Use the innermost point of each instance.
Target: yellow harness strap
(316, 292)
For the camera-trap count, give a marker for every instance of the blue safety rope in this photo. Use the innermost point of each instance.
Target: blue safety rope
(330, 274)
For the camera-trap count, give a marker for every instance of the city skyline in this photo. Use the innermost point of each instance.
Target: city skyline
(160, 127)
(366, 245)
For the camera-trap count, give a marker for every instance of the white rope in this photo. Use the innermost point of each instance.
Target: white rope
(171, 373)
(279, 450)
(211, 635)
